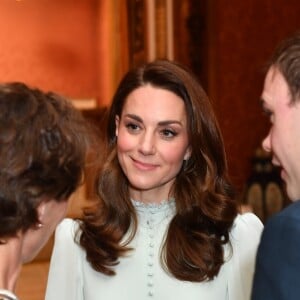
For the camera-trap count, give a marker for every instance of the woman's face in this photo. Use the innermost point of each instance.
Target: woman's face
(152, 141)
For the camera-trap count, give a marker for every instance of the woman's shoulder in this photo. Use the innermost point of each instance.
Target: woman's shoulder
(246, 225)
(67, 230)
(244, 239)
(247, 219)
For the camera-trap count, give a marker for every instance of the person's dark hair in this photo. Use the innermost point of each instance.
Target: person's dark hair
(43, 146)
(286, 59)
(205, 203)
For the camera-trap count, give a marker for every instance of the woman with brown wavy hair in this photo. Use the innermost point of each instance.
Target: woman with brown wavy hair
(166, 222)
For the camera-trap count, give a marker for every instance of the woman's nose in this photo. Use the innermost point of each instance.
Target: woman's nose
(147, 143)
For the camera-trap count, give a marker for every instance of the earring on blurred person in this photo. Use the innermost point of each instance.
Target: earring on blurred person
(39, 225)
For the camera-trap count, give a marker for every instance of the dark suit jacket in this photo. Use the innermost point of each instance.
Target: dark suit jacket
(277, 273)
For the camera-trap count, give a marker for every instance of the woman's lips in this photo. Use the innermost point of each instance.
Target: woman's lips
(144, 166)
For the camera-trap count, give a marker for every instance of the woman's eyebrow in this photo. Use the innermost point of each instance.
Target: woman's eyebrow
(161, 123)
(134, 117)
(169, 122)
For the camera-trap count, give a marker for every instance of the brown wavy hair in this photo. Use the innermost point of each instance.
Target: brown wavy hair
(205, 202)
(43, 147)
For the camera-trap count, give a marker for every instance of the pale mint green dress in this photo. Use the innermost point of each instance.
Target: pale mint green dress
(140, 275)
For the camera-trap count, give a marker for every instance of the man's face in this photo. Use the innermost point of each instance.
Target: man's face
(283, 139)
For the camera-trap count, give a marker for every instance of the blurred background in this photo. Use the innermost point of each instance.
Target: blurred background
(81, 49)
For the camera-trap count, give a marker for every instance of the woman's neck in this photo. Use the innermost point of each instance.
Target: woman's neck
(149, 197)
(10, 263)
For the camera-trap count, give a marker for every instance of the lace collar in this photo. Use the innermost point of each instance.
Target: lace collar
(165, 205)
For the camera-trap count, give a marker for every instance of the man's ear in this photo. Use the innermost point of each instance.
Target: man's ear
(117, 122)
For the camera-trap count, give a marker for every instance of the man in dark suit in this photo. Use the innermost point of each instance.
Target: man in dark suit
(277, 274)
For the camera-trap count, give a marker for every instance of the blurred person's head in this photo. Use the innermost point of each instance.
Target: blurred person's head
(43, 146)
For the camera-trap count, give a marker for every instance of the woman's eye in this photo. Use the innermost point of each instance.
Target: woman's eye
(168, 133)
(132, 127)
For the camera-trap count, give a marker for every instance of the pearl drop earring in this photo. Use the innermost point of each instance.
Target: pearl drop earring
(39, 225)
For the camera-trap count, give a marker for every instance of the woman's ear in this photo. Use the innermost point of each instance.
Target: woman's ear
(117, 121)
(187, 154)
